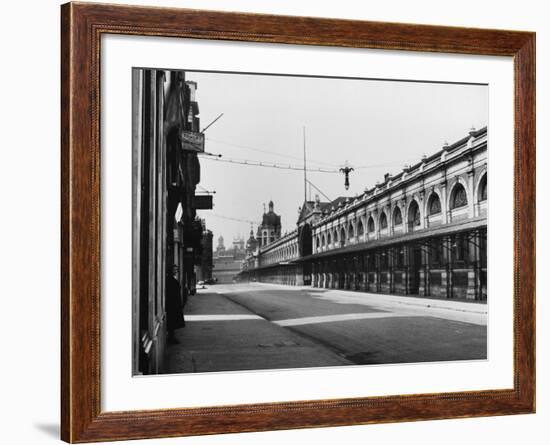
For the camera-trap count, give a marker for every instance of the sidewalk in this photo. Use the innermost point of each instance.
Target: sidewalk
(221, 335)
(459, 305)
(469, 312)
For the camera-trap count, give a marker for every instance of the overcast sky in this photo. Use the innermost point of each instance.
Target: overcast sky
(377, 124)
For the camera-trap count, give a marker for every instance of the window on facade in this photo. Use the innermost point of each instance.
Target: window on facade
(318, 242)
(414, 215)
(399, 257)
(397, 217)
(371, 262)
(342, 237)
(459, 198)
(434, 205)
(460, 247)
(350, 230)
(482, 194)
(329, 238)
(360, 229)
(436, 251)
(370, 225)
(384, 260)
(383, 221)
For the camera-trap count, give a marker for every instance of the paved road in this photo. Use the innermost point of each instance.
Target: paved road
(259, 326)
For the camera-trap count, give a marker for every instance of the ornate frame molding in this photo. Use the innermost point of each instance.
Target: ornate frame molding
(82, 26)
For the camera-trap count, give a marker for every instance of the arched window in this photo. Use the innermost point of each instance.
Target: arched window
(360, 228)
(482, 191)
(318, 243)
(329, 239)
(350, 230)
(414, 215)
(458, 197)
(434, 205)
(397, 217)
(324, 240)
(342, 237)
(383, 221)
(370, 225)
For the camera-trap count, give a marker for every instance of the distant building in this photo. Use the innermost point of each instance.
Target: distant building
(205, 264)
(238, 250)
(227, 262)
(220, 248)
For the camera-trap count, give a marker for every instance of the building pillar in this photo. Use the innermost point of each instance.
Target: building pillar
(444, 205)
(471, 194)
(363, 282)
(408, 270)
(421, 209)
(367, 273)
(391, 261)
(447, 274)
(474, 272)
(423, 288)
(346, 274)
(376, 284)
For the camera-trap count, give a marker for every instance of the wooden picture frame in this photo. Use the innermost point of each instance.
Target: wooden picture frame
(82, 26)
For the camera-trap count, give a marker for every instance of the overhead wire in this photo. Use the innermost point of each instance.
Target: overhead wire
(318, 189)
(280, 166)
(268, 152)
(336, 166)
(248, 221)
(271, 165)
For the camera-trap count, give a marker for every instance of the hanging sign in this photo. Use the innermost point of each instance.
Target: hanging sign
(192, 141)
(202, 202)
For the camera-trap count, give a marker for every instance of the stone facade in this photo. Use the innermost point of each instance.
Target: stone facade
(166, 231)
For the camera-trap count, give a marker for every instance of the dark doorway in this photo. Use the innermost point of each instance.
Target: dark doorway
(306, 249)
(306, 241)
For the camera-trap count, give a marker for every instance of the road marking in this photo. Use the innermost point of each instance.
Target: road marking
(340, 317)
(227, 317)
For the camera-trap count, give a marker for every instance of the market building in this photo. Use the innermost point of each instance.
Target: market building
(422, 231)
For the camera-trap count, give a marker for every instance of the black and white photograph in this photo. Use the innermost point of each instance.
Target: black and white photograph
(295, 221)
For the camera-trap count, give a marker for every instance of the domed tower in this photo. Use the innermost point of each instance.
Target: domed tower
(270, 229)
(220, 250)
(251, 243)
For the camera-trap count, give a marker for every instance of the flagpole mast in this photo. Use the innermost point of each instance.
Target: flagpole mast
(305, 176)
